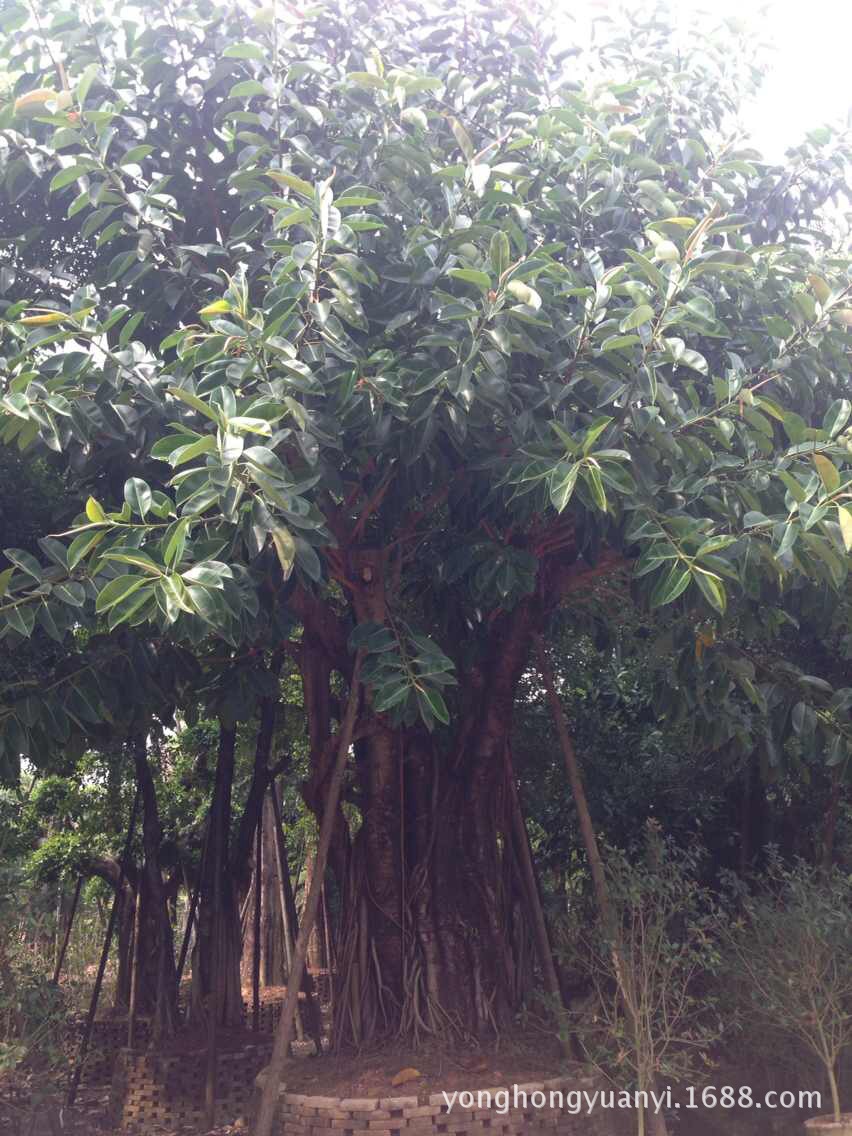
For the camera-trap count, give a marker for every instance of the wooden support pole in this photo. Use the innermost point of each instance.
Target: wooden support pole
(285, 896)
(135, 960)
(329, 950)
(258, 896)
(609, 917)
(533, 897)
(284, 1033)
(60, 961)
(215, 979)
(193, 906)
(578, 791)
(99, 977)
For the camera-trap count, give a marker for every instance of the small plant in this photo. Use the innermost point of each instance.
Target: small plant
(792, 950)
(652, 1015)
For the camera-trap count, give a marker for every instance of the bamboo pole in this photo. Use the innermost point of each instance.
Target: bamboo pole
(285, 897)
(329, 950)
(60, 961)
(258, 895)
(135, 954)
(578, 791)
(193, 905)
(533, 898)
(609, 917)
(99, 978)
(284, 1032)
(215, 983)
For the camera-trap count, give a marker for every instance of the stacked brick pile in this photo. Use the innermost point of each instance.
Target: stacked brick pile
(150, 1089)
(270, 1012)
(108, 1037)
(430, 1114)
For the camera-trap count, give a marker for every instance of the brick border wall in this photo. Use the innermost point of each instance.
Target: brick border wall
(151, 1089)
(429, 1114)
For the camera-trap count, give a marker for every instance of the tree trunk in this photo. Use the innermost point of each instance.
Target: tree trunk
(157, 978)
(217, 892)
(424, 941)
(429, 934)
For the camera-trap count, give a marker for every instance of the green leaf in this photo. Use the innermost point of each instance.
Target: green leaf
(25, 561)
(176, 542)
(715, 544)
(641, 314)
(837, 416)
(82, 545)
(135, 557)
(5, 576)
(137, 494)
(463, 138)
(592, 475)
(500, 253)
(472, 276)
(437, 704)
(71, 592)
(67, 176)
(245, 50)
(594, 432)
(195, 402)
(21, 619)
(116, 590)
(299, 185)
(712, 587)
(670, 585)
(246, 89)
(563, 479)
(84, 83)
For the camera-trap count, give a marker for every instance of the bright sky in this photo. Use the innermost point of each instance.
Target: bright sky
(811, 78)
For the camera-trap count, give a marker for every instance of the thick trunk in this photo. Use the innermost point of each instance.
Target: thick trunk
(155, 953)
(216, 971)
(430, 936)
(427, 937)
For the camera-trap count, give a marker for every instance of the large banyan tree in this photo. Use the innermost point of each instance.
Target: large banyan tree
(397, 328)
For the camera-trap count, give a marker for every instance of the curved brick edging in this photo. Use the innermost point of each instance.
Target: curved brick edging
(429, 1114)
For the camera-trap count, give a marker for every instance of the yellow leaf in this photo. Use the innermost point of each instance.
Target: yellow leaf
(216, 308)
(33, 101)
(820, 289)
(43, 320)
(405, 1075)
(94, 512)
(844, 516)
(285, 546)
(827, 472)
(844, 315)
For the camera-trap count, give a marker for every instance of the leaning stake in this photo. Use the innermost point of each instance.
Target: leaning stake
(284, 1032)
(63, 949)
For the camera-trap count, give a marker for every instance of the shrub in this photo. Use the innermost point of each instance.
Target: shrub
(791, 948)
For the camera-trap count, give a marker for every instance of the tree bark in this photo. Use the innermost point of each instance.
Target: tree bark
(155, 950)
(217, 893)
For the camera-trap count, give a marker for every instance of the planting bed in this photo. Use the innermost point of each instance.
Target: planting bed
(429, 1114)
